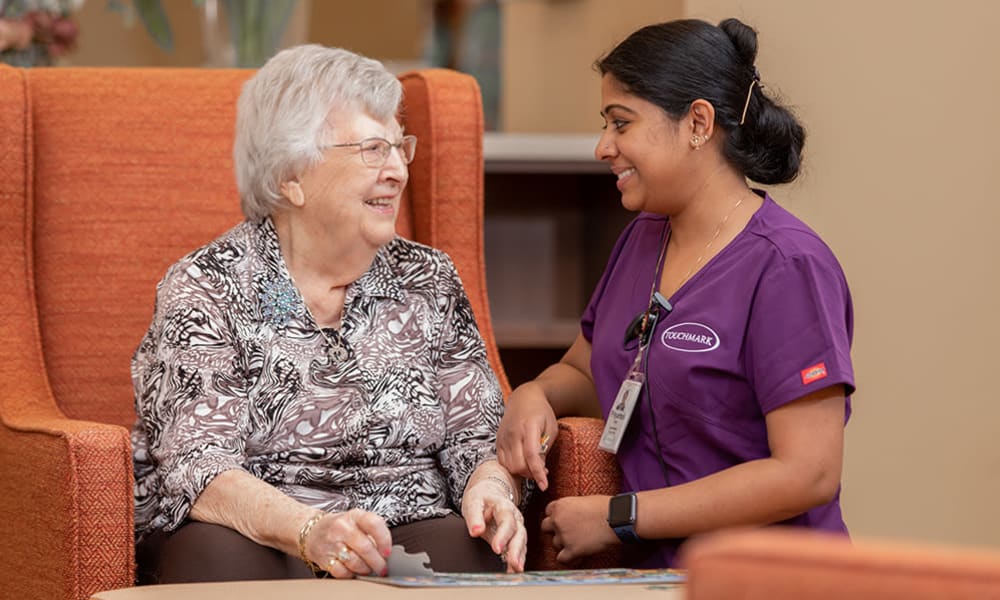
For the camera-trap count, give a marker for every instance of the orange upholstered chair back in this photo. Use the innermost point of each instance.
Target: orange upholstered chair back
(794, 564)
(133, 169)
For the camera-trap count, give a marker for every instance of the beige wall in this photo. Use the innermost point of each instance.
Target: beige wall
(548, 49)
(901, 103)
(108, 39)
(391, 30)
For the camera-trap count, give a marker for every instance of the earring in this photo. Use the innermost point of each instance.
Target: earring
(696, 142)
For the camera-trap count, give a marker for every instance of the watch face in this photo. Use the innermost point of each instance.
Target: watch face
(621, 509)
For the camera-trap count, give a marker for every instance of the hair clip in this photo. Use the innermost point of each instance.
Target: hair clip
(754, 81)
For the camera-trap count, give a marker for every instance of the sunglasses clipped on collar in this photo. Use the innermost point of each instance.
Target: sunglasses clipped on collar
(658, 306)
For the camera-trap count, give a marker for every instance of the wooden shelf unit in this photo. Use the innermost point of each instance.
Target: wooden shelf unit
(552, 215)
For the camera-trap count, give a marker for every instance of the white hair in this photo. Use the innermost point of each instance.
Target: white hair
(281, 117)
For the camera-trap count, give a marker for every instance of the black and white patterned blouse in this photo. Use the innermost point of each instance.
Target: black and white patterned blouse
(391, 414)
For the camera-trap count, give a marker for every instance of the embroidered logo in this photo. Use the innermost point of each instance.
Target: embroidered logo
(813, 373)
(690, 337)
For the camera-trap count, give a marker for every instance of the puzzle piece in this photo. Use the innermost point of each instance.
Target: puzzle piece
(403, 564)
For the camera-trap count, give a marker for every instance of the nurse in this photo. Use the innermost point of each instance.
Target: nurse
(716, 345)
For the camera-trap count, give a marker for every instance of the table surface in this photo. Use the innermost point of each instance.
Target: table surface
(331, 589)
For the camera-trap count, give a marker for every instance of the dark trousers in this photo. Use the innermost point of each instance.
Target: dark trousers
(203, 552)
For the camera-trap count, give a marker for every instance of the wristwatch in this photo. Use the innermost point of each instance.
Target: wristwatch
(621, 517)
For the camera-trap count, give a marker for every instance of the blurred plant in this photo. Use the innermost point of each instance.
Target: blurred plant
(33, 32)
(253, 28)
(465, 35)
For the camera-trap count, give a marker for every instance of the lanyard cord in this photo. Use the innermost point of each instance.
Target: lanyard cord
(642, 360)
(652, 420)
(647, 321)
(656, 281)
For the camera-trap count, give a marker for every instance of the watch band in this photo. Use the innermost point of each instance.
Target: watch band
(621, 517)
(627, 534)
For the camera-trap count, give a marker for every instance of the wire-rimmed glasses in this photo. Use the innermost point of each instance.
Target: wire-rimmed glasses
(375, 150)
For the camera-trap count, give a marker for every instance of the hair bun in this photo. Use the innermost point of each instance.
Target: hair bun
(744, 39)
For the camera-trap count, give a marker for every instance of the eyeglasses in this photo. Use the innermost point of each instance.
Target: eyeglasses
(375, 150)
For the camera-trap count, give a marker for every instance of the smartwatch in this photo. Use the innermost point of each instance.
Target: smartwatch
(621, 517)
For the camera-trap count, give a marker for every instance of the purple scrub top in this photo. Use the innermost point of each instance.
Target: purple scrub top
(766, 321)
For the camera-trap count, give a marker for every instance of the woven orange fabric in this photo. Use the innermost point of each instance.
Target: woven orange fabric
(775, 564)
(119, 196)
(576, 468)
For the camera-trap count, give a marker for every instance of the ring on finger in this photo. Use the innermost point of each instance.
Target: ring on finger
(344, 554)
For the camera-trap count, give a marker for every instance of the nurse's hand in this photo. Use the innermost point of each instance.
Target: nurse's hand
(578, 526)
(527, 431)
(528, 428)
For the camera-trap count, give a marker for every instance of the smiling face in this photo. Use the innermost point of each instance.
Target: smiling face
(345, 199)
(644, 148)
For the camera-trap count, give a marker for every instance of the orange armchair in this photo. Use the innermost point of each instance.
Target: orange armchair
(107, 176)
(776, 564)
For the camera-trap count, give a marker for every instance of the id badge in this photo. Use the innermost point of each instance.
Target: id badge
(621, 412)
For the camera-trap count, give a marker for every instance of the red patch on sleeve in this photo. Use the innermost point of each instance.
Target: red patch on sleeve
(813, 373)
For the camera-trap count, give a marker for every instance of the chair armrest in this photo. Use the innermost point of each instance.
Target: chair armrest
(777, 563)
(576, 468)
(66, 507)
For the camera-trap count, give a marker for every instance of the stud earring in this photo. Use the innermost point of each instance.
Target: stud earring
(696, 142)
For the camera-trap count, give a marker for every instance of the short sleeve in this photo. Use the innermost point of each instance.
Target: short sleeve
(800, 329)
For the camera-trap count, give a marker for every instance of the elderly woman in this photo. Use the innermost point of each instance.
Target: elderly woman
(313, 389)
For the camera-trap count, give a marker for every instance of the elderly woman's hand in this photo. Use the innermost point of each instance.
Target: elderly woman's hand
(491, 514)
(350, 543)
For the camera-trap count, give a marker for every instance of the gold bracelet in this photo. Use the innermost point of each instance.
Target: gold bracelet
(303, 534)
(504, 485)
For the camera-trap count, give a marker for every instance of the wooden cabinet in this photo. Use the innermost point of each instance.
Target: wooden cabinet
(553, 214)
